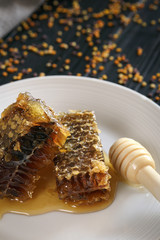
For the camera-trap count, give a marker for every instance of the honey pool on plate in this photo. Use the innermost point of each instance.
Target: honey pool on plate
(45, 198)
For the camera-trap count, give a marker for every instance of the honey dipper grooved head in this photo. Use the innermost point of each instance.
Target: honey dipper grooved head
(128, 157)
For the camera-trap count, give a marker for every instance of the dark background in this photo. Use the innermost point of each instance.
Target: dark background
(117, 41)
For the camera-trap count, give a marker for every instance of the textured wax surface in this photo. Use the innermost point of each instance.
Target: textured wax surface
(30, 138)
(80, 169)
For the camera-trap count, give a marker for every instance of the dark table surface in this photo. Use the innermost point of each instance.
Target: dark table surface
(117, 41)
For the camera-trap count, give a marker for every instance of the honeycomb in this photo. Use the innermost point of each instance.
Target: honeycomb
(81, 173)
(30, 137)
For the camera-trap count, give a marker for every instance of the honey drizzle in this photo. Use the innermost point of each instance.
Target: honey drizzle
(46, 199)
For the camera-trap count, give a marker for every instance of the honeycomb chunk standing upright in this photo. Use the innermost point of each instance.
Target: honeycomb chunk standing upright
(81, 174)
(30, 137)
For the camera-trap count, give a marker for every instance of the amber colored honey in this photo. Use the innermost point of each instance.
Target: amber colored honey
(45, 199)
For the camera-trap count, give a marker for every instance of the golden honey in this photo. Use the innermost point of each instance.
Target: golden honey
(45, 198)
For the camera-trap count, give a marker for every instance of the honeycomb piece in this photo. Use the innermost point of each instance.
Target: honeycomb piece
(30, 137)
(81, 173)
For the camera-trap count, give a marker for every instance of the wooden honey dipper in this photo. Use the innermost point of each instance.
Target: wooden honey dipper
(135, 164)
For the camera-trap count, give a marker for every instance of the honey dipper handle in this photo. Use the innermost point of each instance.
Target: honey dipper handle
(150, 179)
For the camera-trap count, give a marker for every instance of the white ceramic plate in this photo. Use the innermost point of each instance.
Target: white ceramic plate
(120, 112)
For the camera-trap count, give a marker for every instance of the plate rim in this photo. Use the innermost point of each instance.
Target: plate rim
(85, 79)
